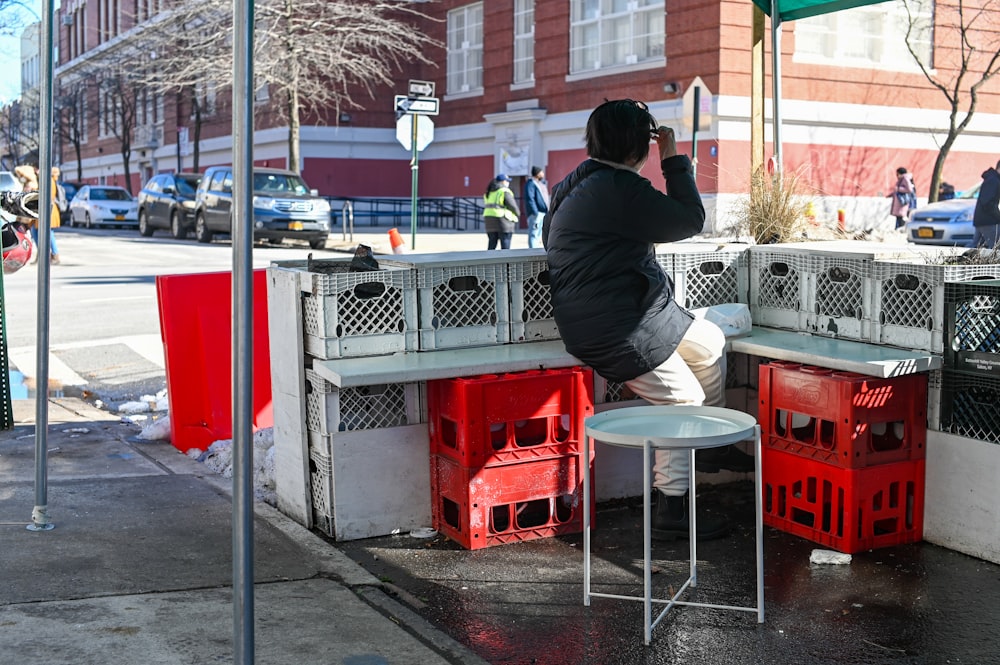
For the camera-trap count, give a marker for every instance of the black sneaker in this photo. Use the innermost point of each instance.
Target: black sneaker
(670, 520)
(730, 458)
(20, 204)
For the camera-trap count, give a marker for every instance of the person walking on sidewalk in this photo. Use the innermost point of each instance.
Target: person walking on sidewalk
(536, 201)
(904, 197)
(613, 304)
(986, 218)
(501, 213)
(28, 174)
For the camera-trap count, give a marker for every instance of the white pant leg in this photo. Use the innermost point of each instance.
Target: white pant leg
(692, 375)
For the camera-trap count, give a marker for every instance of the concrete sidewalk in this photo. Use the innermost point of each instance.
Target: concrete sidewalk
(138, 569)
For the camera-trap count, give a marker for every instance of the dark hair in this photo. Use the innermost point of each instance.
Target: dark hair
(620, 130)
(901, 170)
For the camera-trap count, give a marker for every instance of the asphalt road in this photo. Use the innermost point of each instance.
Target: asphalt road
(104, 328)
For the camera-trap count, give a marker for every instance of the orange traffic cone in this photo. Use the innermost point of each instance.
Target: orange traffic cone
(396, 241)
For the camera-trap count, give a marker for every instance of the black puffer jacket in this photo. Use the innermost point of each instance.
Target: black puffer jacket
(613, 304)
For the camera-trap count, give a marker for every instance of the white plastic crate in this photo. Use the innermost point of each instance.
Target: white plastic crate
(908, 301)
(370, 483)
(840, 295)
(779, 288)
(330, 409)
(350, 314)
(703, 279)
(463, 305)
(531, 302)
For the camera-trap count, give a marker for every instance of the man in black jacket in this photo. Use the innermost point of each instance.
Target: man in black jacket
(613, 304)
(986, 218)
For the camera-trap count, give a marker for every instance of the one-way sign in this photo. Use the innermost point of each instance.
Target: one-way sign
(417, 105)
(420, 88)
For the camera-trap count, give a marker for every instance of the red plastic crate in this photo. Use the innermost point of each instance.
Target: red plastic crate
(842, 418)
(502, 418)
(507, 503)
(848, 510)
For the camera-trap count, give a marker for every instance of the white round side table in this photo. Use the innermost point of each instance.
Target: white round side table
(678, 427)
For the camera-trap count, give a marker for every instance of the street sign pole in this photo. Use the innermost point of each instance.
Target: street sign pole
(694, 132)
(415, 169)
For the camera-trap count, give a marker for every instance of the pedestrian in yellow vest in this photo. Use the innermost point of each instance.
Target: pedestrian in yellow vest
(501, 213)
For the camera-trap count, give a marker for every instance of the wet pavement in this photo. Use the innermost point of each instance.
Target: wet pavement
(522, 603)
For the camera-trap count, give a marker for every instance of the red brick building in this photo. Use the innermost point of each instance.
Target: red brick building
(516, 81)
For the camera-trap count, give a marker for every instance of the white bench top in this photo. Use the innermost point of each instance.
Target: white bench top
(444, 363)
(842, 354)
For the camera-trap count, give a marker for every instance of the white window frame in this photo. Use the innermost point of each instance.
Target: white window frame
(465, 50)
(872, 36)
(593, 42)
(524, 43)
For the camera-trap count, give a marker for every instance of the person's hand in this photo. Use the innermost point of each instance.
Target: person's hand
(665, 141)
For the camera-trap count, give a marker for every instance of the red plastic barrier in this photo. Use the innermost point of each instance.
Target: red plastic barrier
(196, 328)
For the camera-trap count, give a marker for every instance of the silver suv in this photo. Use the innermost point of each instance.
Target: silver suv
(283, 207)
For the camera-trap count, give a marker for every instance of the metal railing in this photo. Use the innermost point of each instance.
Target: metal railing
(457, 213)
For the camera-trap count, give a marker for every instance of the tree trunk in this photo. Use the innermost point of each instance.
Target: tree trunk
(294, 129)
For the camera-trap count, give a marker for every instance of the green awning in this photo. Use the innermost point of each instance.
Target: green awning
(789, 10)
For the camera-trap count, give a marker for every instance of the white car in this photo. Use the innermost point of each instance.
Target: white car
(102, 205)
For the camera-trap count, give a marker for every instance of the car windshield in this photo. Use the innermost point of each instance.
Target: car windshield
(279, 183)
(109, 195)
(187, 185)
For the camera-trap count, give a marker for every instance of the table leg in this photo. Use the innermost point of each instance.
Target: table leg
(647, 488)
(692, 520)
(586, 520)
(758, 483)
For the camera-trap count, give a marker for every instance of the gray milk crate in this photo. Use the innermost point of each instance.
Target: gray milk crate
(779, 288)
(463, 306)
(908, 301)
(703, 279)
(350, 314)
(531, 302)
(330, 409)
(840, 296)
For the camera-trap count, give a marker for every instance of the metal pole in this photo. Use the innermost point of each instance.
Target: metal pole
(776, 82)
(242, 334)
(694, 132)
(39, 515)
(414, 168)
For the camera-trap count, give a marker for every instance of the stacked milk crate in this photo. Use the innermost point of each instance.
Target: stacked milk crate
(843, 455)
(970, 380)
(506, 455)
(368, 445)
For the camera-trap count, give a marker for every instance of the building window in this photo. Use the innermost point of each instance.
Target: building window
(868, 36)
(524, 41)
(465, 49)
(614, 33)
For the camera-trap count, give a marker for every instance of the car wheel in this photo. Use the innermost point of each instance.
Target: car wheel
(177, 229)
(201, 231)
(317, 244)
(145, 229)
(87, 224)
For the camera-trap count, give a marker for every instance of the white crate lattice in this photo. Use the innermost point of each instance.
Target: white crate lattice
(703, 279)
(842, 297)
(531, 318)
(351, 314)
(330, 409)
(908, 301)
(463, 306)
(779, 288)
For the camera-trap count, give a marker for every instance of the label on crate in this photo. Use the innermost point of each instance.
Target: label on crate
(975, 361)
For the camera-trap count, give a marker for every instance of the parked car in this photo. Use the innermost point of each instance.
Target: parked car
(102, 205)
(69, 191)
(945, 222)
(167, 202)
(283, 207)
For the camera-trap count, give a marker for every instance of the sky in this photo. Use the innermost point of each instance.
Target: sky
(10, 49)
